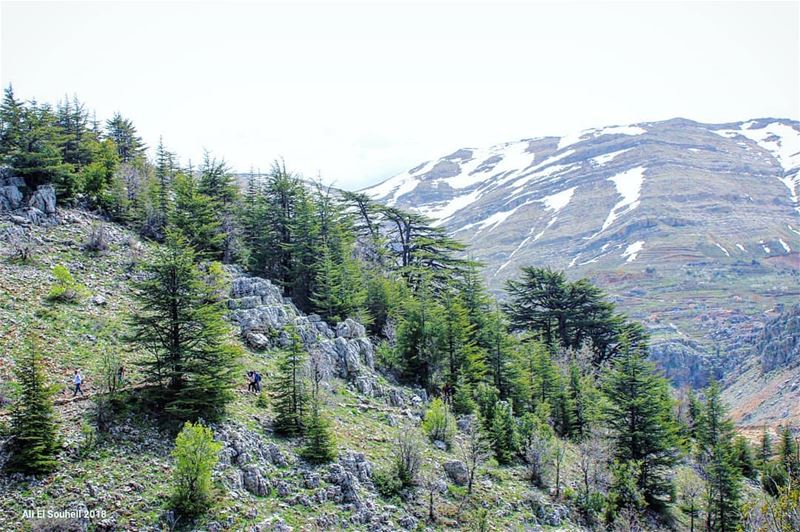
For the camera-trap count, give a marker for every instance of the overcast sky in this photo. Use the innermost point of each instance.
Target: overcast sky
(361, 91)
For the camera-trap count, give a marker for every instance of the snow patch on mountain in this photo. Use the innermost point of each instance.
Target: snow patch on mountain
(633, 250)
(785, 245)
(602, 160)
(556, 202)
(581, 136)
(725, 251)
(629, 186)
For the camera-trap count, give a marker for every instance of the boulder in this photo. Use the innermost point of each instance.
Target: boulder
(44, 199)
(457, 472)
(256, 340)
(254, 481)
(350, 329)
(10, 198)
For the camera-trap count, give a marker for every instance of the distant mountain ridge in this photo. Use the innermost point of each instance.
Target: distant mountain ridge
(693, 228)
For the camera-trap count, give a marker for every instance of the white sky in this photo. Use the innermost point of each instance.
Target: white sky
(359, 92)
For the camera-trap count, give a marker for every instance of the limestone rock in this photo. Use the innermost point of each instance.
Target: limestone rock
(457, 472)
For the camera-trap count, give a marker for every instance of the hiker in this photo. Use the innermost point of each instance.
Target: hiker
(120, 375)
(77, 380)
(257, 381)
(251, 381)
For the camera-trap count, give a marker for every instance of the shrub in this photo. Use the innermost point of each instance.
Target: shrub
(65, 288)
(195, 456)
(97, 240)
(387, 482)
(407, 458)
(439, 423)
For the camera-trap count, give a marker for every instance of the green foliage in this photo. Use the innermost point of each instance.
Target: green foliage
(463, 401)
(568, 313)
(502, 433)
(320, 445)
(180, 326)
(195, 456)
(625, 493)
(387, 482)
(65, 287)
(639, 415)
(261, 400)
(419, 340)
(743, 456)
(194, 218)
(127, 142)
(34, 440)
(719, 460)
(290, 389)
(439, 423)
(97, 178)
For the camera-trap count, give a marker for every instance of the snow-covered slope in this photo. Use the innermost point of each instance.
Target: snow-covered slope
(514, 200)
(693, 228)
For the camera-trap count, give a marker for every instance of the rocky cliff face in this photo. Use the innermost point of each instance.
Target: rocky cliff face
(778, 345)
(28, 206)
(693, 229)
(263, 316)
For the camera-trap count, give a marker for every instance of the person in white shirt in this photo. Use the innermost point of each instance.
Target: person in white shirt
(77, 380)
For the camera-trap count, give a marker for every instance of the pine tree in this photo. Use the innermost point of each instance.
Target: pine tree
(34, 440)
(639, 414)
(128, 143)
(320, 445)
(743, 456)
(456, 339)
(180, 324)
(502, 433)
(788, 454)
(419, 341)
(290, 390)
(719, 461)
(765, 449)
(193, 218)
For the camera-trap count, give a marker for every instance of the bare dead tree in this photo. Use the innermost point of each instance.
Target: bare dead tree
(474, 451)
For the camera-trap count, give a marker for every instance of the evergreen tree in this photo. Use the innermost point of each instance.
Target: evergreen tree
(580, 403)
(502, 433)
(196, 455)
(34, 440)
(639, 414)
(718, 458)
(128, 143)
(456, 339)
(744, 459)
(97, 177)
(568, 314)
(290, 391)
(419, 341)
(180, 324)
(765, 449)
(788, 454)
(320, 445)
(193, 218)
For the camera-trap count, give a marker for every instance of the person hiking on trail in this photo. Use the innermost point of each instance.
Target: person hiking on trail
(251, 381)
(77, 380)
(120, 375)
(257, 381)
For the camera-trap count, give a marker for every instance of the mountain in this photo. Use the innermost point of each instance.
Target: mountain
(692, 228)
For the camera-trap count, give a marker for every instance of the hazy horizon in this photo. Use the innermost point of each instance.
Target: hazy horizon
(358, 92)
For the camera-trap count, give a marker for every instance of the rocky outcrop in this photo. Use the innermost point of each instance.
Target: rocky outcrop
(778, 344)
(264, 317)
(456, 471)
(684, 363)
(37, 206)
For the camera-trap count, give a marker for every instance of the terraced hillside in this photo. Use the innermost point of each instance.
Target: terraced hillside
(693, 228)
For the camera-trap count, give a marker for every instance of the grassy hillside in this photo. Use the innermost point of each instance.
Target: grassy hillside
(127, 473)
